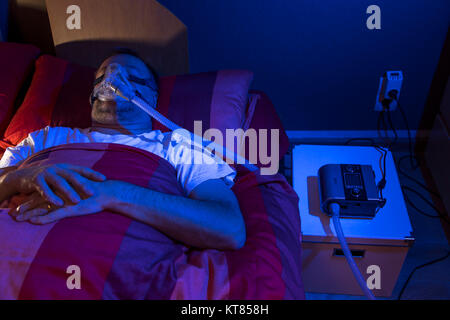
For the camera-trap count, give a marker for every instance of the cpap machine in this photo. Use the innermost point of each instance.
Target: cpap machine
(349, 191)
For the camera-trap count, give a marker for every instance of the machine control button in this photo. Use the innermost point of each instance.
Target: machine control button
(356, 192)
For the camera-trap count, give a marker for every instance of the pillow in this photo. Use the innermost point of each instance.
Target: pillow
(265, 117)
(218, 99)
(16, 64)
(58, 96)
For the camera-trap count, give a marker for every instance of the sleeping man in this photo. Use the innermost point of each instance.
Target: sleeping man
(208, 216)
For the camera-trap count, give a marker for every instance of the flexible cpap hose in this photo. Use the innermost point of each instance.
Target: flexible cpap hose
(334, 209)
(185, 133)
(154, 113)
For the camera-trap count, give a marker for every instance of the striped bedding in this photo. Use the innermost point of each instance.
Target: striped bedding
(120, 258)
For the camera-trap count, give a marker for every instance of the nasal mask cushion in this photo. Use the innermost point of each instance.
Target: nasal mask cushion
(114, 84)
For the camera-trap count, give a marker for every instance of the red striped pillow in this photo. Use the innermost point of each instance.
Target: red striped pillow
(16, 62)
(59, 96)
(218, 99)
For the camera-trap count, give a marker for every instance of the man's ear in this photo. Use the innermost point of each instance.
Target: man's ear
(92, 99)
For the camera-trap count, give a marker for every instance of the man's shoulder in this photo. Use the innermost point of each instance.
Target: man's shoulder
(53, 129)
(49, 131)
(49, 127)
(156, 135)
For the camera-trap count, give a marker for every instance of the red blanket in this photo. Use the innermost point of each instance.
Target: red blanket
(120, 258)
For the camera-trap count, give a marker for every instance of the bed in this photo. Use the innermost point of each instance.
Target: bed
(121, 258)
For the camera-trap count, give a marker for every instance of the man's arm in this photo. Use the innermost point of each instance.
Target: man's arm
(209, 218)
(65, 179)
(6, 191)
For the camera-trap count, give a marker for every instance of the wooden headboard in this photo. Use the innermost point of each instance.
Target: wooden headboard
(142, 25)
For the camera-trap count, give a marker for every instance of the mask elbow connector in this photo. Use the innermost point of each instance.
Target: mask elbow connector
(114, 84)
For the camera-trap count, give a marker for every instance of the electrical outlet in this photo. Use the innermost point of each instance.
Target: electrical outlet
(388, 89)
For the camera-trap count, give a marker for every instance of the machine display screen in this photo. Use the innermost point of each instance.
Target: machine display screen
(352, 180)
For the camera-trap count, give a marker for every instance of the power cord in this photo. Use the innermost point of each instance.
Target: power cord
(334, 208)
(439, 214)
(419, 267)
(391, 125)
(382, 163)
(393, 94)
(400, 169)
(412, 156)
(414, 165)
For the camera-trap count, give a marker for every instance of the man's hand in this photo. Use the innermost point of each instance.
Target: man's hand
(38, 210)
(209, 218)
(63, 179)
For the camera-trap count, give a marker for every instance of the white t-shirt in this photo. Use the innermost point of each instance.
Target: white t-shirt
(192, 166)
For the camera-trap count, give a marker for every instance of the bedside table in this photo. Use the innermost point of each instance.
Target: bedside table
(382, 241)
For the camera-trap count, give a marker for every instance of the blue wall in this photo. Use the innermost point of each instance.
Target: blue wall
(3, 19)
(317, 60)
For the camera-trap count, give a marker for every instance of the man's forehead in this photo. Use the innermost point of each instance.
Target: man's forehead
(130, 62)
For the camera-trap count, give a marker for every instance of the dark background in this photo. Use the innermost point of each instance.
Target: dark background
(316, 60)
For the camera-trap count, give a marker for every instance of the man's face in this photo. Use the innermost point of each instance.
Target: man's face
(120, 111)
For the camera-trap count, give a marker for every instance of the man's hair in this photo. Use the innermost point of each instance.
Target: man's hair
(131, 52)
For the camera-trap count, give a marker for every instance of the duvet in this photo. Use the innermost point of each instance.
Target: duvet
(120, 258)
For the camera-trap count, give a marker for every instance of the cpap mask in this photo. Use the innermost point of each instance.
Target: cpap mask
(116, 83)
(104, 88)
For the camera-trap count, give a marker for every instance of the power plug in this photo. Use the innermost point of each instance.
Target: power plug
(389, 91)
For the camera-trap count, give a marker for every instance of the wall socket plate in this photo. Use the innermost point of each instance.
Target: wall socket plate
(390, 81)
